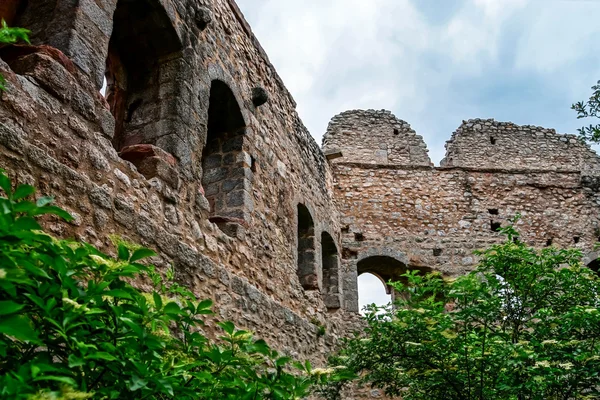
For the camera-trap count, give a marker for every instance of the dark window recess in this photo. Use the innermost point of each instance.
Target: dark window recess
(307, 270)
(330, 262)
(143, 43)
(437, 252)
(549, 242)
(495, 226)
(576, 239)
(225, 183)
(396, 132)
(493, 211)
(594, 265)
(349, 253)
(253, 164)
(492, 140)
(358, 236)
(345, 229)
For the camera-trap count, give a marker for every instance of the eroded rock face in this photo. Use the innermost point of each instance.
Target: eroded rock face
(182, 153)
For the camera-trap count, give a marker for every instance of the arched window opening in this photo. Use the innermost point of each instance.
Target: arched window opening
(330, 262)
(595, 265)
(139, 72)
(387, 269)
(307, 271)
(226, 168)
(372, 290)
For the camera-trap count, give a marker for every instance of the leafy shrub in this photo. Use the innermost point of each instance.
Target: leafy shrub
(524, 325)
(73, 327)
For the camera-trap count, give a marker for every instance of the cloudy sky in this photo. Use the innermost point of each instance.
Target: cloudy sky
(433, 63)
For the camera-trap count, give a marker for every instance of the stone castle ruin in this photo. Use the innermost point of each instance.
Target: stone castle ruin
(194, 148)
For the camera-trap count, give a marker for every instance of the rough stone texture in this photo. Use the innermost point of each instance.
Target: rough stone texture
(486, 143)
(56, 131)
(241, 200)
(375, 137)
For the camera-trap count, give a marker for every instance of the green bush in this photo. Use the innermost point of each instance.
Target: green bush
(72, 326)
(524, 325)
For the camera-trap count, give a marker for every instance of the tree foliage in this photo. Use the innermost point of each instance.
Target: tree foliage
(72, 326)
(524, 325)
(589, 109)
(10, 35)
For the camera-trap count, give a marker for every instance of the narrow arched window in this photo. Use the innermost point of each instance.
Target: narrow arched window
(307, 271)
(226, 168)
(331, 280)
(140, 81)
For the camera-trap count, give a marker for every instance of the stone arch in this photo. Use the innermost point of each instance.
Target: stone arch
(141, 68)
(384, 267)
(307, 268)
(226, 167)
(80, 29)
(330, 263)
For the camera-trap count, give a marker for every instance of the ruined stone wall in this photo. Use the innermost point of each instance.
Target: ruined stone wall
(433, 218)
(375, 137)
(486, 143)
(57, 132)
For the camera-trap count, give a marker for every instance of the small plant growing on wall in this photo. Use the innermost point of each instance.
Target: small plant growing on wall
(10, 35)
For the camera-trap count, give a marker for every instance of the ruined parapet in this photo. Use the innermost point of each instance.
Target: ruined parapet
(374, 137)
(490, 144)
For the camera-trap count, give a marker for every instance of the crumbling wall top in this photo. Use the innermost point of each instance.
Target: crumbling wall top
(490, 144)
(375, 137)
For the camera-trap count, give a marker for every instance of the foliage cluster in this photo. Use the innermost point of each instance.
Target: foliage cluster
(524, 325)
(73, 327)
(589, 109)
(10, 35)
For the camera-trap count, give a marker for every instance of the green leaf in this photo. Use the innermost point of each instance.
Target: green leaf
(227, 326)
(172, 308)
(141, 253)
(204, 305)
(9, 307)
(23, 191)
(118, 293)
(5, 185)
(19, 327)
(137, 383)
(123, 252)
(75, 361)
(157, 300)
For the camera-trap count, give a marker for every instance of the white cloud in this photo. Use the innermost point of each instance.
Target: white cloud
(371, 290)
(335, 55)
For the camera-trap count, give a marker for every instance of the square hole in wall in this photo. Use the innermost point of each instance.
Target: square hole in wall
(549, 242)
(493, 211)
(437, 252)
(576, 239)
(358, 236)
(494, 226)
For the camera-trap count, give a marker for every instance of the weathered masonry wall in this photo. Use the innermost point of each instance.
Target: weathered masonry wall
(375, 137)
(195, 150)
(416, 216)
